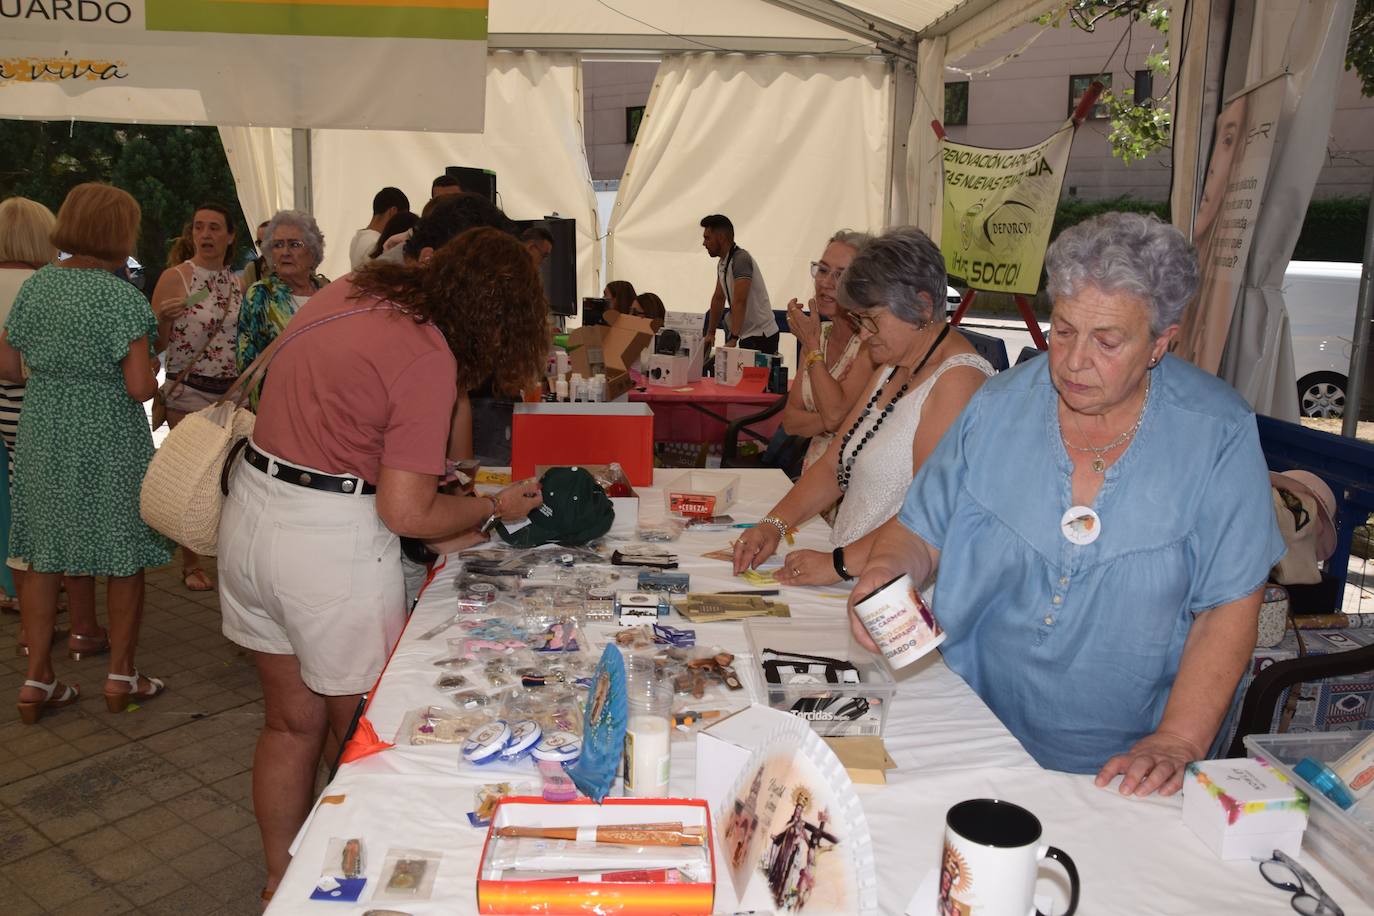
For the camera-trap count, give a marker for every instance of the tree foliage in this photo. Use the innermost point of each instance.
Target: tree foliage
(1138, 129)
(168, 169)
(1359, 53)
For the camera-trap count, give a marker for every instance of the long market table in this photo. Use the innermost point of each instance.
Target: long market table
(1134, 855)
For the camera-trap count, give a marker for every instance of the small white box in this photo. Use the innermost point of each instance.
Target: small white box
(731, 362)
(1243, 808)
(626, 524)
(701, 493)
(668, 371)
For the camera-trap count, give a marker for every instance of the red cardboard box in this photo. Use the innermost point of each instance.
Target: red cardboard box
(496, 893)
(573, 434)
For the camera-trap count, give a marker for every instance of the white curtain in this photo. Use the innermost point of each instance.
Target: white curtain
(1258, 359)
(1197, 34)
(925, 169)
(790, 149)
(260, 158)
(533, 142)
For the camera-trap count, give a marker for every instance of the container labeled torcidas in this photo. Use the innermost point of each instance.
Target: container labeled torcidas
(900, 621)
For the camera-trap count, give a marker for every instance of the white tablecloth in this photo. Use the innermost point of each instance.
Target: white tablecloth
(1134, 855)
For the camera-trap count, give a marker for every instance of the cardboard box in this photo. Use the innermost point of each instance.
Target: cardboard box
(629, 898)
(560, 433)
(1243, 808)
(731, 363)
(618, 347)
(667, 371)
(701, 494)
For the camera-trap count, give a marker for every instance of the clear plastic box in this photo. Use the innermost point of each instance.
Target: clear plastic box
(833, 708)
(1342, 839)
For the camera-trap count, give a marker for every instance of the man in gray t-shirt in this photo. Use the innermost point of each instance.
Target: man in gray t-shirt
(740, 286)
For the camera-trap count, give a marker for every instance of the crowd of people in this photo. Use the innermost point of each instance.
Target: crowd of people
(1108, 469)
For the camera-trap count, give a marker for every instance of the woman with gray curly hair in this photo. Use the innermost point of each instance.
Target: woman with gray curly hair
(295, 247)
(894, 292)
(1102, 524)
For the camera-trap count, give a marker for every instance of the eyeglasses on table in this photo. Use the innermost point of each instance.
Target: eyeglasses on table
(1281, 871)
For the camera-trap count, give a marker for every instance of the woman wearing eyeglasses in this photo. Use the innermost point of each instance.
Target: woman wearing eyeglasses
(835, 364)
(197, 306)
(894, 288)
(294, 247)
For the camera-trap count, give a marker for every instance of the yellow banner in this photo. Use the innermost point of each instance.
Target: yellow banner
(999, 209)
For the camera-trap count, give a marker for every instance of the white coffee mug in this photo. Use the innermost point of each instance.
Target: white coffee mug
(991, 859)
(900, 621)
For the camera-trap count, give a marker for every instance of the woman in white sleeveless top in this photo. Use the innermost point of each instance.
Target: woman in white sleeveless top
(197, 307)
(894, 291)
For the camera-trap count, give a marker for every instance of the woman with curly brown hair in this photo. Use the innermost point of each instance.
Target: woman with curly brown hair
(346, 455)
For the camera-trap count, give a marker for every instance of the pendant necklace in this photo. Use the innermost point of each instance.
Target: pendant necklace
(1099, 463)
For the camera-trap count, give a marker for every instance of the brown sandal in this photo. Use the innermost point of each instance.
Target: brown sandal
(118, 702)
(30, 711)
(195, 579)
(79, 646)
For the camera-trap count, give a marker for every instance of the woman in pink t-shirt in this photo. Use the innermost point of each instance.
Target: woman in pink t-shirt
(346, 455)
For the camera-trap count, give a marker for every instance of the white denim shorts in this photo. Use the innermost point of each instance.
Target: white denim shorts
(311, 574)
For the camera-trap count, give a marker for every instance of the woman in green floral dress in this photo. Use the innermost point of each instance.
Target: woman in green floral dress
(84, 442)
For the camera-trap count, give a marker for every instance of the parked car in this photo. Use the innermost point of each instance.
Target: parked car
(1321, 298)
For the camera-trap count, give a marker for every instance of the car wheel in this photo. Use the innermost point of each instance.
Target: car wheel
(1322, 394)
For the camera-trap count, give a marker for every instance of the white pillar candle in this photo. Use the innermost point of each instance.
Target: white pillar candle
(647, 755)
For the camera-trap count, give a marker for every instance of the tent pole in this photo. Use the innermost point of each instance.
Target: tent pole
(1359, 345)
(903, 110)
(301, 169)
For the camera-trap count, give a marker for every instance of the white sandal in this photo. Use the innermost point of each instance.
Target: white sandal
(30, 711)
(118, 702)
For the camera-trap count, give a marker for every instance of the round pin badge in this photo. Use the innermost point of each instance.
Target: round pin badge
(524, 734)
(485, 744)
(561, 747)
(1080, 525)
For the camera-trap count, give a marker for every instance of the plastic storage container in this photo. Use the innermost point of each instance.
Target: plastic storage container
(837, 701)
(1343, 840)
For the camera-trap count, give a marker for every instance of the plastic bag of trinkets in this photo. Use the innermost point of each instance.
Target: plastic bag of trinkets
(408, 875)
(440, 725)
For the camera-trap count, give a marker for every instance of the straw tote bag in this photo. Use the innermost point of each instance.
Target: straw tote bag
(187, 480)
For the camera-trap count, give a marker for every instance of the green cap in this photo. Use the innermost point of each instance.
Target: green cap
(575, 510)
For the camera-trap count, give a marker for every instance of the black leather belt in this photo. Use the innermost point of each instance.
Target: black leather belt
(310, 479)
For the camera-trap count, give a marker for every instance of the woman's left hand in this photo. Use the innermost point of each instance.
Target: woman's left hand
(1156, 763)
(808, 567)
(805, 326)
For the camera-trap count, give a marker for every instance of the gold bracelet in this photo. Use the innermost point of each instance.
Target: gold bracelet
(782, 526)
(815, 356)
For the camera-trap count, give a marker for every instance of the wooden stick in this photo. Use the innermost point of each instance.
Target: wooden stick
(615, 834)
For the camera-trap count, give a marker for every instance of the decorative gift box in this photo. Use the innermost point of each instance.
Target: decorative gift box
(556, 876)
(1243, 808)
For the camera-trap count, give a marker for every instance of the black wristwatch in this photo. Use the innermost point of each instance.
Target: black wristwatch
(837, 555)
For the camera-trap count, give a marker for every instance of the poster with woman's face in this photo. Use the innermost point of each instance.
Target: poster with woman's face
(1228, 210)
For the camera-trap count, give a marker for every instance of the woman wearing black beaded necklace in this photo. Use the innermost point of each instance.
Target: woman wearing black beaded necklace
(894, 292)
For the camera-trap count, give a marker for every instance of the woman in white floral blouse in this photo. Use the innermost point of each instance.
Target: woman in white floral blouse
(197, 307)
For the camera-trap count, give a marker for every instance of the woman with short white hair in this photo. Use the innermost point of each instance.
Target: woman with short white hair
(294, 247)
(1101, 523)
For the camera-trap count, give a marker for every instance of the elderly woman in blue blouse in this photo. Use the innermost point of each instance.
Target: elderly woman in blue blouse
(1101, 524)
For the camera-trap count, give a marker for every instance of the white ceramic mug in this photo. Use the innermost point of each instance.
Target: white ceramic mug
(991, 859)
(900, 622)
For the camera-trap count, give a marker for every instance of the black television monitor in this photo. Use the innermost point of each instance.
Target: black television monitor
(594, 310)
(474, 181)
(559, 270)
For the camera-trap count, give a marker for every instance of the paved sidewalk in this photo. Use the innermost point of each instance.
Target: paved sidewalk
(148, 811)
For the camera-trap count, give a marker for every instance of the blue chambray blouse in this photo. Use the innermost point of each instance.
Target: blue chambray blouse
(1075, 648)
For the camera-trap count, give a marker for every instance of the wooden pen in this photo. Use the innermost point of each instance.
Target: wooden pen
(613, 835)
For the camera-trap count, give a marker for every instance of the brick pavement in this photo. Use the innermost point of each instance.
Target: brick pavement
(147, 811)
